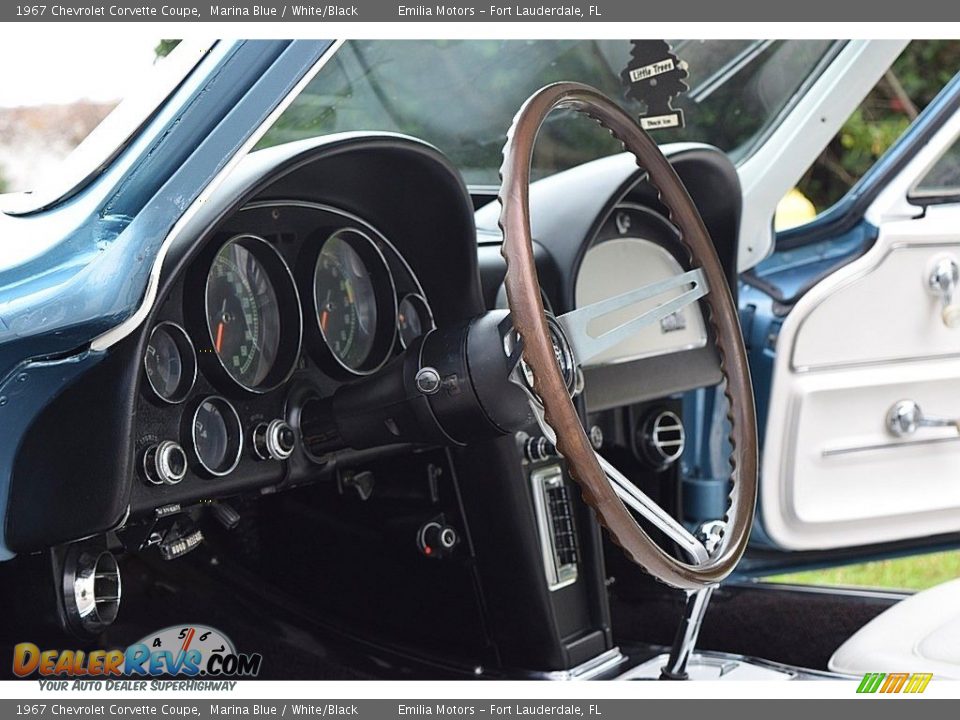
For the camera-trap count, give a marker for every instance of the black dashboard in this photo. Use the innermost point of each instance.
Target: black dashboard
(288, 299)
(318, 267)
(313, 265)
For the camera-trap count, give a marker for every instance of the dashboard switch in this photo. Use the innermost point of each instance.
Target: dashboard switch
(274, 440)
(165, 463)
(437, 539)
(538, 449)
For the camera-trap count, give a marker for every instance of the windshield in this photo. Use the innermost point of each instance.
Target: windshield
(461, 95)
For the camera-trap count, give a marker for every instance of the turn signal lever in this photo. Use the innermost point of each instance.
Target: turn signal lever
(450, 387)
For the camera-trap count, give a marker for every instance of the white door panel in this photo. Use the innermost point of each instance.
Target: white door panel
(862, 339)
(883, 312)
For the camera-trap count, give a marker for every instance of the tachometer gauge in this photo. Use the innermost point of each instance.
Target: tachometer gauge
(354, 301)
(413, 319)
(170, 362)
(252, 313)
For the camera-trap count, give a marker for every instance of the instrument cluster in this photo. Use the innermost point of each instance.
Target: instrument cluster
(288, 298)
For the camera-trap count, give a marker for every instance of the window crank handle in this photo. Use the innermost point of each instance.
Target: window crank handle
(905, 416)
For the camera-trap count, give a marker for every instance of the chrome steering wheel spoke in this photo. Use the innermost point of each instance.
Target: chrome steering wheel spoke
(588, 345)
(632, 496)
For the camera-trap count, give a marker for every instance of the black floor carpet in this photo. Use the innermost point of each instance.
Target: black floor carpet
(796, 627)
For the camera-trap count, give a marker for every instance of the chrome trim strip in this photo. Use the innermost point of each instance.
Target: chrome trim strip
(602, 663)
(114, 335)
(834, 452)
(843, 590)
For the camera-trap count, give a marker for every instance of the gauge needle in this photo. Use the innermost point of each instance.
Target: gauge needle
(219, 342)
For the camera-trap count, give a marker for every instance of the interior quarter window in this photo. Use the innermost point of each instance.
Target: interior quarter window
(941, 183)
(903, 91)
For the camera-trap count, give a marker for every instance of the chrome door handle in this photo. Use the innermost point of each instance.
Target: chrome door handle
(905, 416)
(943, 282)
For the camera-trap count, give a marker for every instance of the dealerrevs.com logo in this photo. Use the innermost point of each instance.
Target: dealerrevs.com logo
(182, 650)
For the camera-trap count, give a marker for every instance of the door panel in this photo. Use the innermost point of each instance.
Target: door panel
(867, 336)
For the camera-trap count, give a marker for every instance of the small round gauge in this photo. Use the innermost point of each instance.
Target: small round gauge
(170, 362)
(354, 301)
(250, 302)
(413, 319)
(216, 436)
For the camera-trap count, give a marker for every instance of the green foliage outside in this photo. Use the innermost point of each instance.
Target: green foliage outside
(916, 77)
(165, 47)
(910, 573)
(3, 182)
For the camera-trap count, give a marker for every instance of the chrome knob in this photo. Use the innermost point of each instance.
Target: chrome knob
(165, 463)
(943, 281)
(538, 449)
(274, 440)
(905, 416)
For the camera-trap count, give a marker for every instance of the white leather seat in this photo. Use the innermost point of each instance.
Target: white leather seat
(918, 634)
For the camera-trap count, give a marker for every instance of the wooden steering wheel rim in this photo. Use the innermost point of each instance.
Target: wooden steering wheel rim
(526, 306)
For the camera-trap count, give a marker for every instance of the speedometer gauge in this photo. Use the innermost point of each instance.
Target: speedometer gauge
(252, 313)
(354, 301)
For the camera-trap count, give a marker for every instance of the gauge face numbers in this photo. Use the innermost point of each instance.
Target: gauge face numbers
(243, 313)
(170, 362)
(217, 436)
(354, 301)
(413, 319)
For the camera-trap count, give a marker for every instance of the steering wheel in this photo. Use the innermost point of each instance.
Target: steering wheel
(547, 341)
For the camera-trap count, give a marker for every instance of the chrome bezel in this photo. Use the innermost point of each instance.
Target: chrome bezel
(163, 478)
(367, 367)
(237, 436)
(187, 351)
(286, 360)
(421, 301)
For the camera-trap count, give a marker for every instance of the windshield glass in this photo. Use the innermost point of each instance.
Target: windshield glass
(461, 95)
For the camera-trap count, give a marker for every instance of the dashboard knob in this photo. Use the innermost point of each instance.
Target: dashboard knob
(436, 539)
(538, 449)
(274, 440)
(165, 463)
